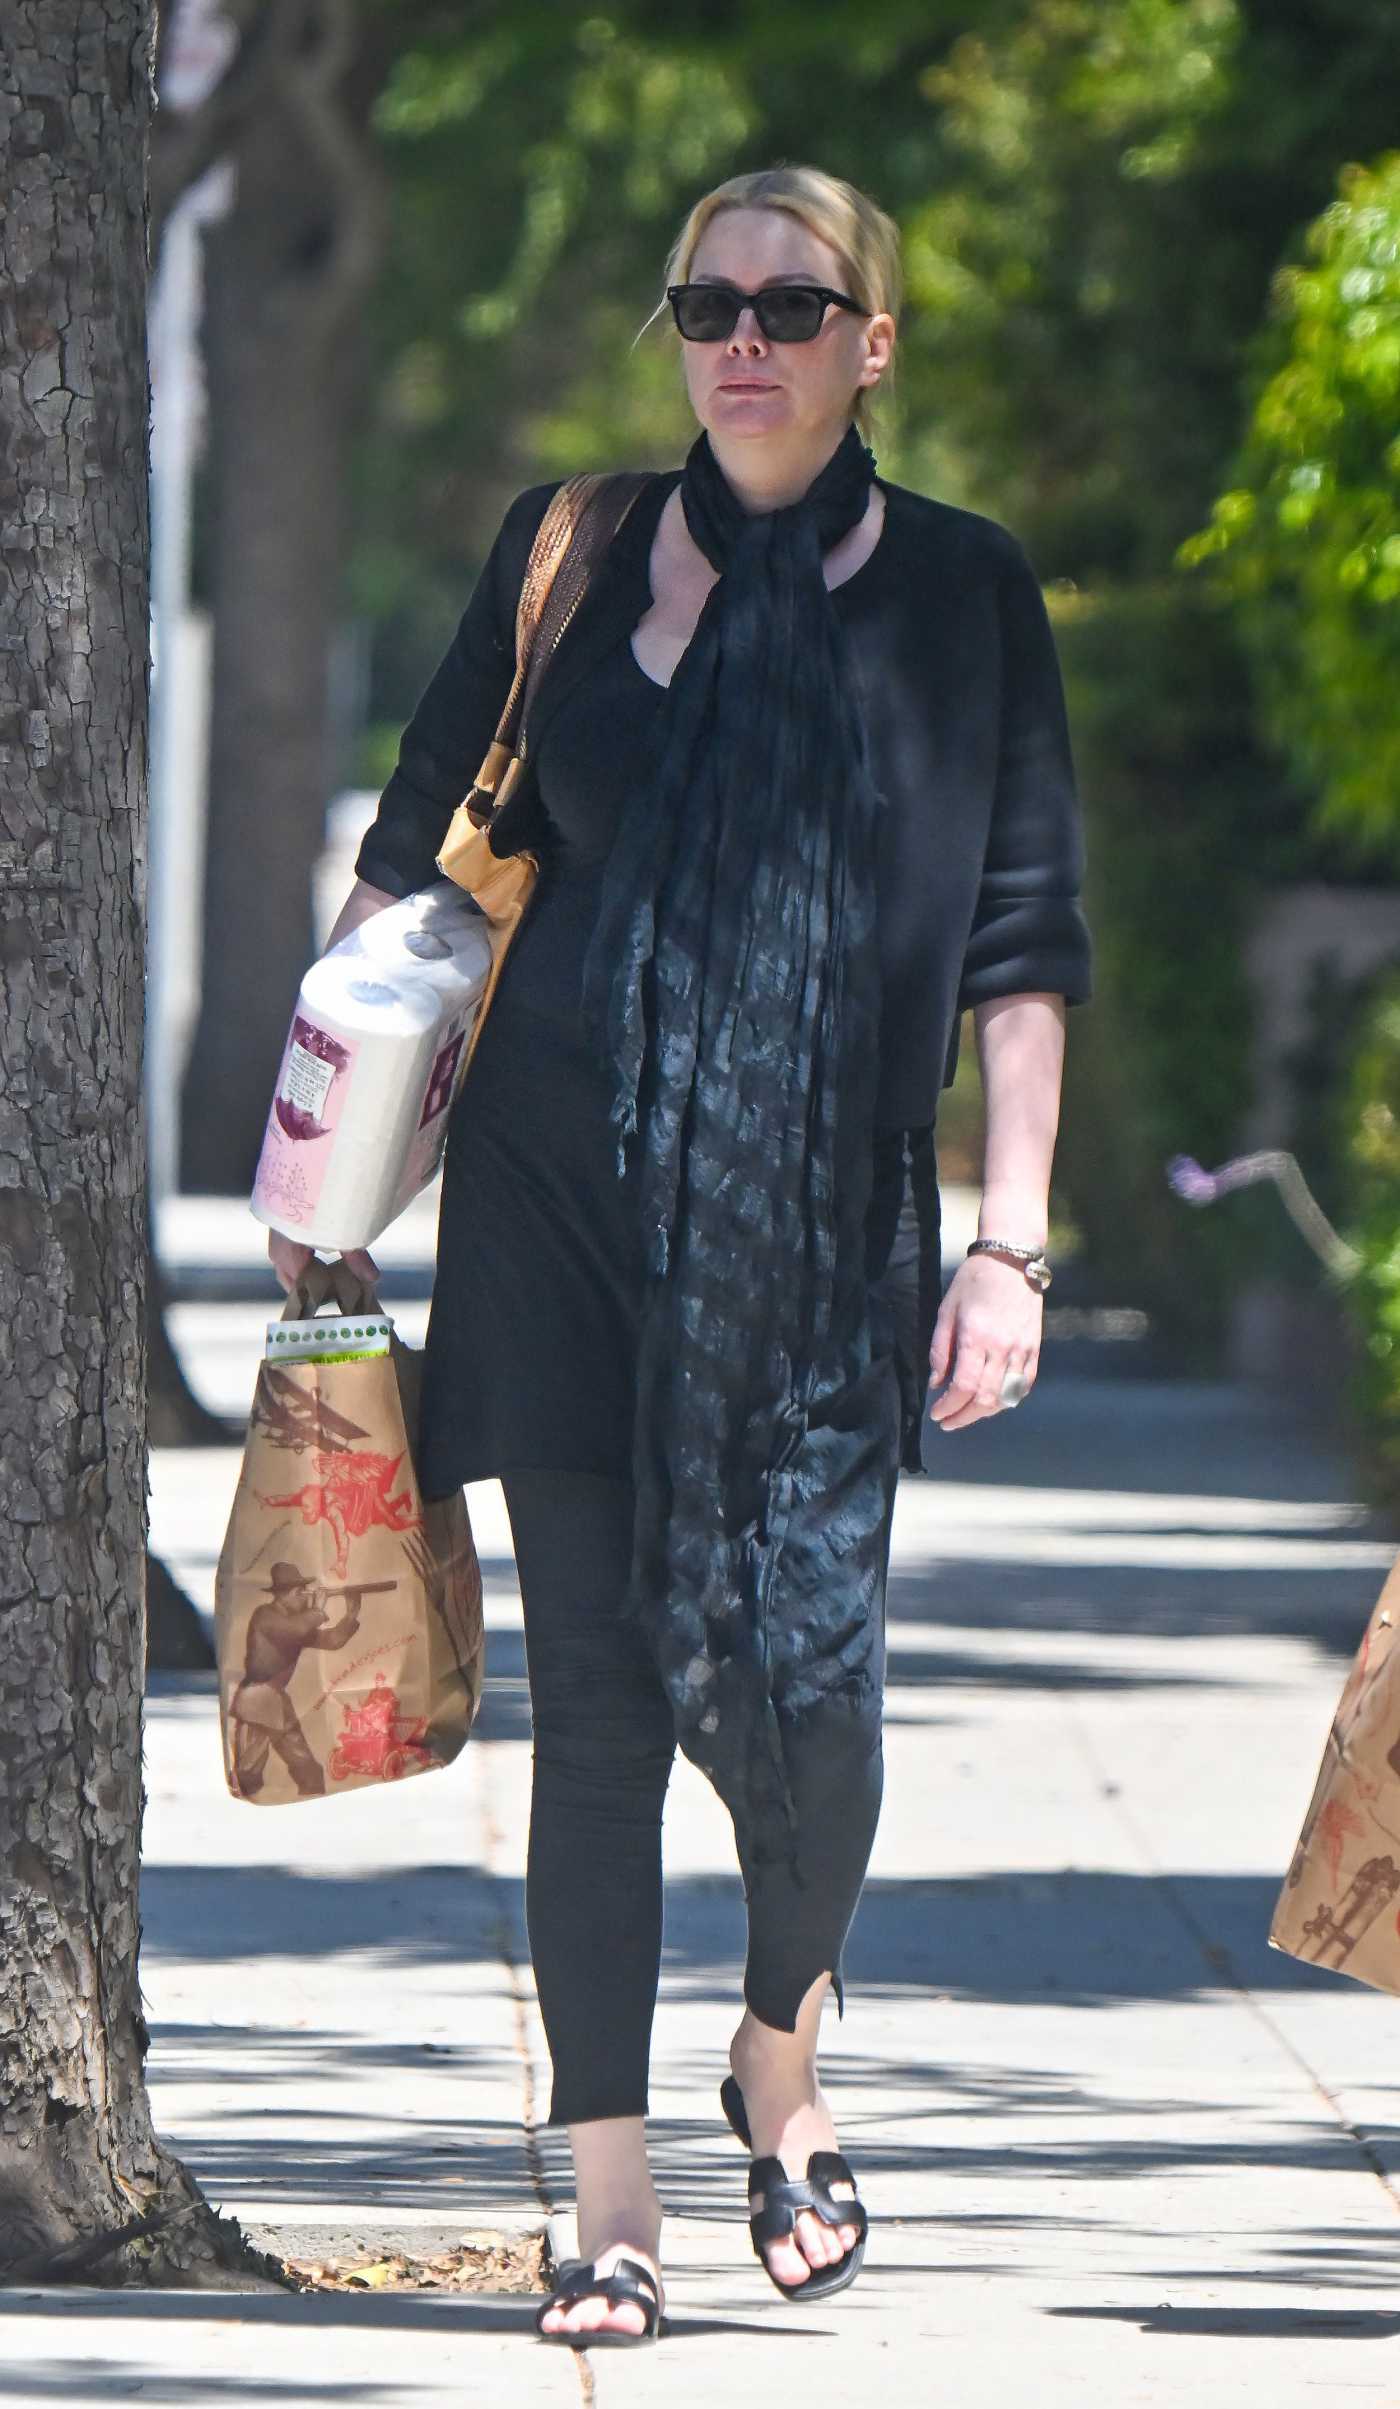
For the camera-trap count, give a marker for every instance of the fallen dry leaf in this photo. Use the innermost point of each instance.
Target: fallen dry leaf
(480, 2262)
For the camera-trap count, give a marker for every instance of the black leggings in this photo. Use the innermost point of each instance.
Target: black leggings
(604, 1742)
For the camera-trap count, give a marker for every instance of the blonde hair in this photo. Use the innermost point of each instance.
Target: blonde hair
(864, 239)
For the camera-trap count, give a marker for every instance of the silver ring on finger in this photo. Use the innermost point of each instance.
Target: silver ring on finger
(1014, 1388)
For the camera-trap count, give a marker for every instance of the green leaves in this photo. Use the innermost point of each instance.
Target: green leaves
(1306, 542)
(1372, 1125)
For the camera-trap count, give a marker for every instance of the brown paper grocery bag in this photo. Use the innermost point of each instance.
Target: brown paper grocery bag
(1340, 1906)
(347, 1613)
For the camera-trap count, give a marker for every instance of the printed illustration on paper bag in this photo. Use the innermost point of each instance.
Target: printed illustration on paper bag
(1338, 1904)
(348, 1610)
(351, 1491)
(291, 1620)
(1335, 1931)
(377, 1741)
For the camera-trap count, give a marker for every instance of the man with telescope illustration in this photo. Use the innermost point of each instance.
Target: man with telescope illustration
(290, 1620)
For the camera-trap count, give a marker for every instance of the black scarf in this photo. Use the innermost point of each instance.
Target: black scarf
(732, 985)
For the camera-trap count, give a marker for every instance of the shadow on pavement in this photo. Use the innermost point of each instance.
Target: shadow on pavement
(1327, 1607)
(477, 2313)
(1082, 1938)
(1092, 1941)
(1312, 2325)
(85, 2380)
(1209, 1437)
(954, 1669)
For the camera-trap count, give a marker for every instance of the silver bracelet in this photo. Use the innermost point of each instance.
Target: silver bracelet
(1030, 1258)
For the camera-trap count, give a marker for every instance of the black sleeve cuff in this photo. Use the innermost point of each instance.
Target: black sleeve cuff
(1029, 935)
(1037, 947)
(399, 849)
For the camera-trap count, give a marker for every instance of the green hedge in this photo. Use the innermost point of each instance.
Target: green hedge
(1371, 1114)
(1186, 824)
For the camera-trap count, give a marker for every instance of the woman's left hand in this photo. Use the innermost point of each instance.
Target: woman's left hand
(989, 1324)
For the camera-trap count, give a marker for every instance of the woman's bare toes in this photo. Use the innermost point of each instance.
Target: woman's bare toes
(790, 2264)
(818, 2240)
(592, 2314)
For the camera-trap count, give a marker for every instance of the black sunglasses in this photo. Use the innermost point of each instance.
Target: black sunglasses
(786, 313)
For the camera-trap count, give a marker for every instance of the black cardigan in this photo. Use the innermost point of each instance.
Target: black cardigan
(981, 848)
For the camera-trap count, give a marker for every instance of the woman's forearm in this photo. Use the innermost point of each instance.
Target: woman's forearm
(1020, 1052)
(362, 902)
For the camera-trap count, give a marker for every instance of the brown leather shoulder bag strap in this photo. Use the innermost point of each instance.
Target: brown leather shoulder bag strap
(579, 524)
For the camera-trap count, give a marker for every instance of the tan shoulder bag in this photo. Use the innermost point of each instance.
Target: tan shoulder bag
(579, 524)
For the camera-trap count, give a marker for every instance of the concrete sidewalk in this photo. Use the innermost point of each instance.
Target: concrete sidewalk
(1114, 2149)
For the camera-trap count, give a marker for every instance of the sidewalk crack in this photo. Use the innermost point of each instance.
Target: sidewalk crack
(509, 1956)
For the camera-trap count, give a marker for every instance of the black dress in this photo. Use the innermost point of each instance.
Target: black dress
(531, 1341)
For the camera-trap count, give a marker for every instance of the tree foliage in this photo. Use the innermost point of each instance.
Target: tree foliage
(1063, 320)
(1094, 197)
(534, 165)
(1371, 1125)
(540, 166)
(1306, 541)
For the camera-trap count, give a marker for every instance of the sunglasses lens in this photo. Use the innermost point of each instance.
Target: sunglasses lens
(704, 315)
(708, 313)
(793, 316)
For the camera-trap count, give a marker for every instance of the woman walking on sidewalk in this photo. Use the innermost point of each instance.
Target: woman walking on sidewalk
(801, 789)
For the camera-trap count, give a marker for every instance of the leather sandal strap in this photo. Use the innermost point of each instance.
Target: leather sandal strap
(633, 2274)
(785, 2197)
(579, 2280)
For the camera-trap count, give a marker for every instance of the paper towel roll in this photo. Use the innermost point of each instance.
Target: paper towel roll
(373, 1061)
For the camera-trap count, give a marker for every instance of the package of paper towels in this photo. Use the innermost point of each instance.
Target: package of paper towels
(373, 1061)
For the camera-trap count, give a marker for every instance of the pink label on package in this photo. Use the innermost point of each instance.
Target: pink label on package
(430, 1139)
(442, 1078)
(310, 1093)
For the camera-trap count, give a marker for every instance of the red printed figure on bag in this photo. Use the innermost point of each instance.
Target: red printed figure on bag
(377, 1740)
(352, 1494)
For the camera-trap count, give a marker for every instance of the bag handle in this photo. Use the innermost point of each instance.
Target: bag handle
(579, 524)
(321, 1282)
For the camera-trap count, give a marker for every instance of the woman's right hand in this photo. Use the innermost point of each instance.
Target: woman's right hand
(289, 1259)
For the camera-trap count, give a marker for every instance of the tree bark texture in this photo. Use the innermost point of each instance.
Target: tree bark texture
(288, 271)
(79, 2162)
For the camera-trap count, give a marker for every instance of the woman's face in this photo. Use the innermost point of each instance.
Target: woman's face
(745, 386)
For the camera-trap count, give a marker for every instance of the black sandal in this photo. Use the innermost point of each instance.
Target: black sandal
(579, 2280)
(783, 2199)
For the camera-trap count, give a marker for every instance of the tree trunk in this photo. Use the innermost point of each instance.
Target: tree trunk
(80, 2166)
(288, 272)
